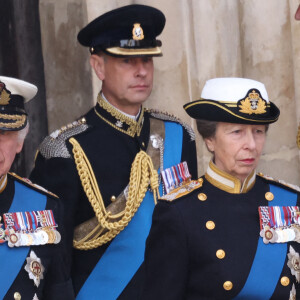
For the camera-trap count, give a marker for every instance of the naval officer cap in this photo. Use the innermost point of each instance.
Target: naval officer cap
(13, 94)
(126, 31)
(234, 100)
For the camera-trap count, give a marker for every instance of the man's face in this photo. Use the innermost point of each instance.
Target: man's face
(10, 145)
(127, 82)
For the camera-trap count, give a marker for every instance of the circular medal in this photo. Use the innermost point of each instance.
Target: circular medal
(44, 237)
(29, 239)
(51, 236)
(2, 233)
(57, 237)
(291, 234)
(23, 239)
(279, 236)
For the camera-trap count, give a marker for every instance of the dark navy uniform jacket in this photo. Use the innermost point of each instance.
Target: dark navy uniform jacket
(56, 283)
(111, 142)
(202, 245)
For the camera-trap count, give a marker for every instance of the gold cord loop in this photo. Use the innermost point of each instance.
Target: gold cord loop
(142, 173)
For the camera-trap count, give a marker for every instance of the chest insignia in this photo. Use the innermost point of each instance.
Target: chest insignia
(34, 268)
(294, 263)
(279, 224)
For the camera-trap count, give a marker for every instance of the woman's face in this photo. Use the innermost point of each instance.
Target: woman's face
(237, 148)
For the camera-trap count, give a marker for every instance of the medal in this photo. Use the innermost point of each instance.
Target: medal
(294, 263)
(29, 228)
(34, 268)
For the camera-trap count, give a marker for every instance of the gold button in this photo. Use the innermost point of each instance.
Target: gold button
(17, 296)
(202, 197)
(227, 285)
(269, 196)
(220, 254)
(113, 198)
(200, 180)
(143, 144)
(285, 281)
(210, 225)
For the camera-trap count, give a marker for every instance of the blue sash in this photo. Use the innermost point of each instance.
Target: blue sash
(125, 254)
(269, 259)
(12, 259)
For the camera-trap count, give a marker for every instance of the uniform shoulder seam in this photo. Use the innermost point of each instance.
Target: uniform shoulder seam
(279, 182)
(29, 183)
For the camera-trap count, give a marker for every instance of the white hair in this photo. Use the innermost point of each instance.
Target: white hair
(23, 132)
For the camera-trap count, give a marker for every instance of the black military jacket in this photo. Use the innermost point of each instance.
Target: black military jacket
(202, 245)
(56, 283)
(111, 142)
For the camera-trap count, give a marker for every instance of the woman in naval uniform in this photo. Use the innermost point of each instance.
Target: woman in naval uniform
(232, 234)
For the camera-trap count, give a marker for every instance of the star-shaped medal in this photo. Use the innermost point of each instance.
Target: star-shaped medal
(34, 268)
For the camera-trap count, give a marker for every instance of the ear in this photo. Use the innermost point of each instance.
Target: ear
(210, 144)
(20, 146)
(98, 64)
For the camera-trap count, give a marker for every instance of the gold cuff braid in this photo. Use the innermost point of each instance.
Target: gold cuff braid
(142, 172)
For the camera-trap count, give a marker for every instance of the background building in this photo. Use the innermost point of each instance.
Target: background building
(202, 39)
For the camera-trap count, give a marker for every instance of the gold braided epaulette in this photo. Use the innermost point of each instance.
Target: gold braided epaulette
(183, 190)
(280, 182)
(31, 184)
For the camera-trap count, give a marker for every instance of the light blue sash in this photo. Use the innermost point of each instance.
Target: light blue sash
(269, 259)
(125, 254)
(12, 259)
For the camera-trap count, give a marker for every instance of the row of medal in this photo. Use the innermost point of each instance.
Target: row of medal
(29, 229)
(175, 176)
(279, 224)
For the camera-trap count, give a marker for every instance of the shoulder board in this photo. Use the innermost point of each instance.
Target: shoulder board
(28, 183)
(54, 145)
(169, 117)
(281, 183)
(183, 190)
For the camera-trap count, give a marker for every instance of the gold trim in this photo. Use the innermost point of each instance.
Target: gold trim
(237, 184)
(247, 187)
(20, 120)
(229, 111)
(135, 127)
(142, 175)
(237, 188)
(3, 178)
(125, 51)
(4, 97)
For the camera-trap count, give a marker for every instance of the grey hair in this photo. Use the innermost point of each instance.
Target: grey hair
(23, 132)
(207, 129)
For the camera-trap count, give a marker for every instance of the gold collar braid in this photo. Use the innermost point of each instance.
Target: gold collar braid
(134, 127)
(142, 172)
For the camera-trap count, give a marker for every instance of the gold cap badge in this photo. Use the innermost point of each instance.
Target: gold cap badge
(253, 104)
(137, 32)
(4, 95)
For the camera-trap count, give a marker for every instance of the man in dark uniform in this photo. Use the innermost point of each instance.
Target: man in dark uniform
(232, 234)
(32, 253)
(101, 164)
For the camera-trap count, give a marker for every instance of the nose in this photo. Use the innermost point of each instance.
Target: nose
(141, 69)
(250, 142)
